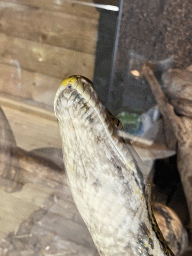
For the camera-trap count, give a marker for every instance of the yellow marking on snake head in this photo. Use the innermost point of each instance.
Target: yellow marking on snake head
(70, 80)
(77, 82)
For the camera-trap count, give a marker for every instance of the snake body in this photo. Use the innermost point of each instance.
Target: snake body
(106, 183)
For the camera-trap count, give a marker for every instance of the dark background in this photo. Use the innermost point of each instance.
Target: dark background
(155, 29)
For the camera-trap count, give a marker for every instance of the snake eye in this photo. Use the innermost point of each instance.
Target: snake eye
(69, 86)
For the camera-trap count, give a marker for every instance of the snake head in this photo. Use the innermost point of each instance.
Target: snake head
(75, 89)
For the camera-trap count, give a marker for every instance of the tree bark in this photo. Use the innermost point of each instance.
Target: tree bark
(182, 129)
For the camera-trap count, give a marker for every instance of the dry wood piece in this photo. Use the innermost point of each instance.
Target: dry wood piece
(181, 127)
(7, 163)
(29, 125)
(18, 166)
(178, 87)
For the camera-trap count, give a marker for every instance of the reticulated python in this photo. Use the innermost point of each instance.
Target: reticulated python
(107, 185)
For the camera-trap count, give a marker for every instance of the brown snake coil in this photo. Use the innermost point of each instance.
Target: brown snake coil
(107, 185)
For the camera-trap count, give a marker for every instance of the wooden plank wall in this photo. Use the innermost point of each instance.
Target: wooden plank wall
(42, 42)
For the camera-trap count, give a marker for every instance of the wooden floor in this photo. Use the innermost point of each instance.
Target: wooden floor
(39, 220)
(32, 131)
(18, 206)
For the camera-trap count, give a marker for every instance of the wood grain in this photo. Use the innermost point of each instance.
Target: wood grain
(28, 85)
(61, 6)
(15, 207)
(181, 127)
(32, 131)
(27, 107)
(42, 58)
(50, 27)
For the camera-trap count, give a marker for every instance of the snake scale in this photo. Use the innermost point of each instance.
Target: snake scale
(107, 185)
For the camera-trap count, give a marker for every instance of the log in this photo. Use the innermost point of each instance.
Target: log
(182, 128)
(18, 166)
(177, 86)
(31, 130)
(7, 163)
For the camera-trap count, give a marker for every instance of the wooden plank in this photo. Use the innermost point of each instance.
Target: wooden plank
(59, 29)
(32, 131)
(8, 223)
(26, 107)
(32, 193)
(52, 244)
(67, 229)
(2, 236)
(28, 85)
(16, 207)
(41, 58)
(61, 6)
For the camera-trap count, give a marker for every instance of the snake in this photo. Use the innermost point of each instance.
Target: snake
(107, 184)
